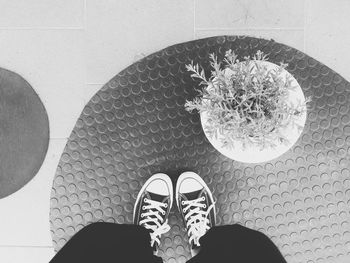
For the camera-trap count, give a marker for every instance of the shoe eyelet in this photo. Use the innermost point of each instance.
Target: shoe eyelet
(165, 205)
(141, 215)
(203, 198)
(145, 199)
(204, 206)
(143, 208)
(183, 210)
(183, 202)
(163, 213)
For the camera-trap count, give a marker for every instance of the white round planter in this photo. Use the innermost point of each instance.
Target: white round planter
(253, 154)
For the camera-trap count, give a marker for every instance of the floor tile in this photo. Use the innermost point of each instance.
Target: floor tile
(26, 254)
(327, 33)
(293, 38)
(249, 13)
(119, 32)
(53, 62)
(41, 13)
(24, 219)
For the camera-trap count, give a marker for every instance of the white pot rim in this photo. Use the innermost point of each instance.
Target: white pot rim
(252, 153)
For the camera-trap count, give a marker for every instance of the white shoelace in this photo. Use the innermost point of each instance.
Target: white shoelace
(198, 223)
(153, 220)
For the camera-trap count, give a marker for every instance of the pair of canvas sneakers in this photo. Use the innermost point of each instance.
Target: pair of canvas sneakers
(194, 201)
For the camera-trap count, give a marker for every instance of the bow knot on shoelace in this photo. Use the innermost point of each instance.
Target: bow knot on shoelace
(197, 218)
(153, 220)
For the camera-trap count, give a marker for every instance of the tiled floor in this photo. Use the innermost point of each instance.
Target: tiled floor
(67, 49)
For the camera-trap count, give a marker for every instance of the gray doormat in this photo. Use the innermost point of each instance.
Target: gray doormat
(136, 126)
(24, 132)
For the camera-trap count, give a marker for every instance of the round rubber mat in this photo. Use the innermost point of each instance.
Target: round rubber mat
(24, 132)
(136, 125)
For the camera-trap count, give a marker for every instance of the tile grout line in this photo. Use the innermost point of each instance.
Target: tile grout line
(41, 28)
(94, 83)
(194, 19)
(16, 246)
(85, 45)
(305, 25)
(85, 14)
(250, 28)
(59, 138)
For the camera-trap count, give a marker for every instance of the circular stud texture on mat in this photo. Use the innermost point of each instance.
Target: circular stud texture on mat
(24, 132)
(136, 125)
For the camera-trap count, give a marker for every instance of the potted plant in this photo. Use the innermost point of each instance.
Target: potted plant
(251, 110)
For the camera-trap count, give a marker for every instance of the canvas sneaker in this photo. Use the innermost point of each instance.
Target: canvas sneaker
(196, 205)
(152, 206)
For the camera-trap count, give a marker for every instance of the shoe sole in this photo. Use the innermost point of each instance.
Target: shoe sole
(195, 176)
(160, 176)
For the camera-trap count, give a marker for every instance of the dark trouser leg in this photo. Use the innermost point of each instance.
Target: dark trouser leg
(235, 243)
(107, 243)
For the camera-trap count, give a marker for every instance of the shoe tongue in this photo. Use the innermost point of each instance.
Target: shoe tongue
(156, 197)
(193, 195)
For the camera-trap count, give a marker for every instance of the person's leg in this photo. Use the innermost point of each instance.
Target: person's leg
(108, 242)
(222, 244)
(235, 243)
